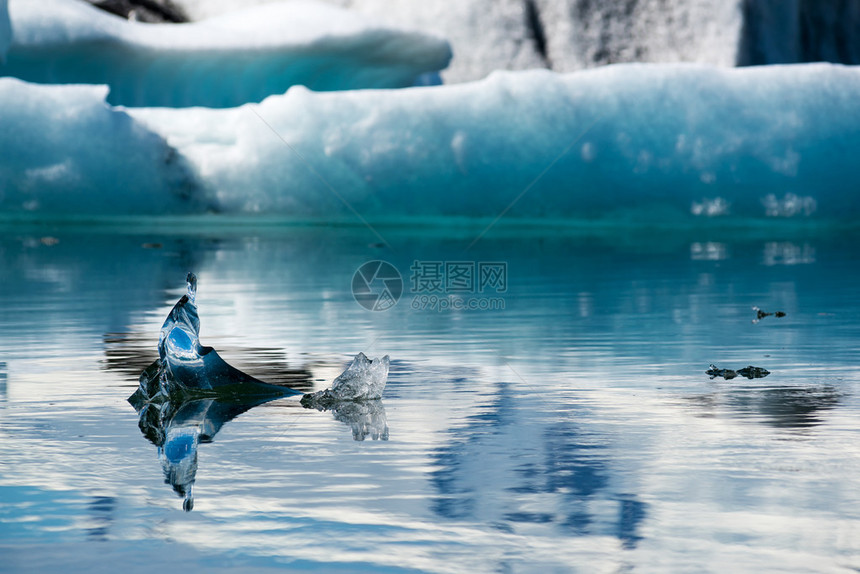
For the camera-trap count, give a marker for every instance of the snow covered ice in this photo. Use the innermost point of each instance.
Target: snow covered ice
(663, 141)
(667, 141)
(221, 62)
(364, 379)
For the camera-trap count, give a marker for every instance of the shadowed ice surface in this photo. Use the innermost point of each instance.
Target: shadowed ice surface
(572, 428)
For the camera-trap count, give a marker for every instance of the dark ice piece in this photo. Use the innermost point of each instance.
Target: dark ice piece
(749, 372)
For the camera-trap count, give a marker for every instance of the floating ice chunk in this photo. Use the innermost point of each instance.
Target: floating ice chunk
(355, 398)
(221, 62)
(788, 253)
(185, 366)
(486, 34)
(364, 379)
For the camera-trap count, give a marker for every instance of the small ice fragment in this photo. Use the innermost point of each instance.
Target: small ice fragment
(363, 380)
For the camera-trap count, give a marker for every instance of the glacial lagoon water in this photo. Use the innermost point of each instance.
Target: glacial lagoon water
(565, 423)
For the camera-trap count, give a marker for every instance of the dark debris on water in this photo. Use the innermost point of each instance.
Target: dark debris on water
(749, 372)
(759, 314)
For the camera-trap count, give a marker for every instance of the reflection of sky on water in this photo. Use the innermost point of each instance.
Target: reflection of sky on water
(570, 465)
(577, 426)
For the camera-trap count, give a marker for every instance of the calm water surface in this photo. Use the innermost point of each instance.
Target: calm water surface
(574, 429)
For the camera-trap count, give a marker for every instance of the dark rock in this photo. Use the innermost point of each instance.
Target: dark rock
(800, 31)
(152, 11)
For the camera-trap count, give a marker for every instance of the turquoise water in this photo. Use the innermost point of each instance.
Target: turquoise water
(565, 423)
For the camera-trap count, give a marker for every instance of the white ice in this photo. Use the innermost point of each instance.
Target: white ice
(653, 141)
(619, 139)
(221, 62)
(363, 380)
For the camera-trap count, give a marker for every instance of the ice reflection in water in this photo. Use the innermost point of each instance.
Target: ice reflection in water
(177, 428)
(366, 418)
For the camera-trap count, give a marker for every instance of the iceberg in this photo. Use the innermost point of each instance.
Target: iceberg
(657, 142)
(221, 62)
(63, 150)
(363, 380)
(660, 142)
